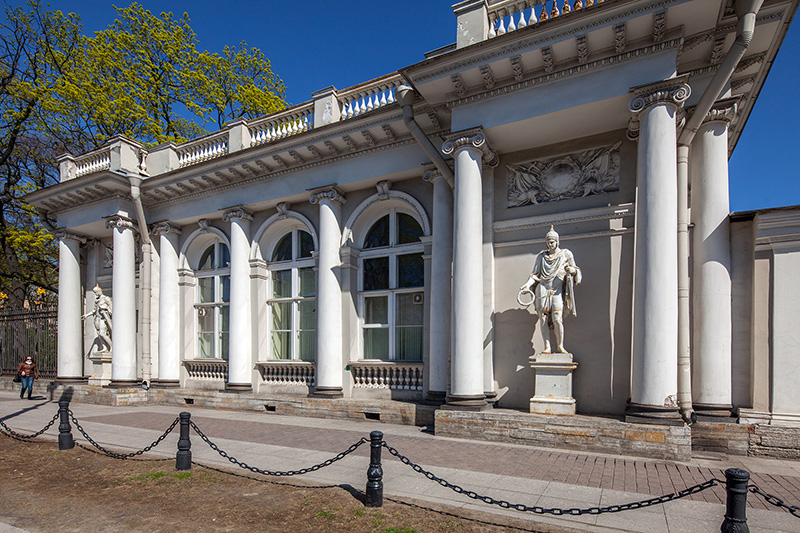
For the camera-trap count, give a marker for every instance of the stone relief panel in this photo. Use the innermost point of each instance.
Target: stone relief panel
(572, 176)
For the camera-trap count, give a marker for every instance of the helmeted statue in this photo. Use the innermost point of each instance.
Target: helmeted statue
(552, 284)
(102, 319)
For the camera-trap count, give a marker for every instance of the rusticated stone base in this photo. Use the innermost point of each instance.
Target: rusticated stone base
(722, 437)
(774, 441)
(607, 435)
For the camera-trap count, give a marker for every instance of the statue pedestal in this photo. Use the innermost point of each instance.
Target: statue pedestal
(553, 383)
(101, 369)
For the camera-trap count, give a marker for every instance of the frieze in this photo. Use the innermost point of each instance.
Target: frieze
(572, 176)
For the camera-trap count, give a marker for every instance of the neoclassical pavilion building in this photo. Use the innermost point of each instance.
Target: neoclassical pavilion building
(369, 244)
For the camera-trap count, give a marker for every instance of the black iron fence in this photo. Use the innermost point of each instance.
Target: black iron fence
(29, 332)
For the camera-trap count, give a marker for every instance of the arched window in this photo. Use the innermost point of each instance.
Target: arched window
(292, 297)
(392, 279)
(213, 301)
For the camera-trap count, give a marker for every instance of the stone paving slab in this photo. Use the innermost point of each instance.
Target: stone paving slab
(519, 474)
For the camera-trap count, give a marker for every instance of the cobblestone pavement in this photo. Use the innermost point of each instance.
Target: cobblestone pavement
(519, 474)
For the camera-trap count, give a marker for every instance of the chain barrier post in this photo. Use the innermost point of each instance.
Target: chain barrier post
(65, 441)
(375, 471)
(183, 459)
(736, 481)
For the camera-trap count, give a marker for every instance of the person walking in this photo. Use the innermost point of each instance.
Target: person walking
(27, 371)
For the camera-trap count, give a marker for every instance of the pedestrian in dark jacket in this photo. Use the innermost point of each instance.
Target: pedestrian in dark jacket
(27, 371)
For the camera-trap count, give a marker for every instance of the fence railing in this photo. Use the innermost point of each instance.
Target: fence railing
(29, 332)
(737, 481)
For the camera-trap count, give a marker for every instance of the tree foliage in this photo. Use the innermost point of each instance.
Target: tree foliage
(62, 91)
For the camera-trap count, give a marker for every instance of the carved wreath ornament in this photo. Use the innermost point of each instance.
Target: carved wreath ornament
(572, 176)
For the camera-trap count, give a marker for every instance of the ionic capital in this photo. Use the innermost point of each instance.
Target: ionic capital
(723, 111)
(121, 222)
(63, 235)
(165, 228)
(331, 194)
(674, 91)
(474, 139)
(238, 212)
(431, 175)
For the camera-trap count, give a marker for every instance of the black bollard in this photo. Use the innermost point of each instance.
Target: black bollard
(65, 441)
(735, 521)
(183, 459)
(375, 471)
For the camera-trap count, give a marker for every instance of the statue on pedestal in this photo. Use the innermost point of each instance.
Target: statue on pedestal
(102, 319)
(552, 286)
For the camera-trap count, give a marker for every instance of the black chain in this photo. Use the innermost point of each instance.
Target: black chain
(575, 511)
(13, 434)
(255, 470)
(774, 500)
(122, 455)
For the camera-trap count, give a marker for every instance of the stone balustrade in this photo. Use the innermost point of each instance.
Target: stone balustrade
(280, 125)
(207, 369)
(506, 16)
(368, 96)
(287, 372)
(208, 147)
(394, 375)
(94, 161)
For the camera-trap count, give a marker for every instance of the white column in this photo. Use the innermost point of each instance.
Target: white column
(169, 317)
(329, 294)
(441, 280)
(123, 293)
(711, 295)
(240, 355)
(70, 299)
(654, 384)
(466, 385)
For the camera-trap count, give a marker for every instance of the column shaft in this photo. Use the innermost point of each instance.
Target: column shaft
(70, 342)
(169, 318)
(240, 356)
(123, 292)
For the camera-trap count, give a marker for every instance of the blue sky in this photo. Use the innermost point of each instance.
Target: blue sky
(314, 44)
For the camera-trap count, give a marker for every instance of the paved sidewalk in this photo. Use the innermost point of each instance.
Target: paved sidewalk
(518, 474)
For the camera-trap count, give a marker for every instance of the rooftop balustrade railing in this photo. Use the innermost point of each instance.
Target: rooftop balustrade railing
(369, 96)
(506, 16)
(93, 161)
(208, 147)
(286, 123)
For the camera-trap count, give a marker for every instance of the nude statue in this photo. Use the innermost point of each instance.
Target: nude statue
(552, 283)
(102, 319)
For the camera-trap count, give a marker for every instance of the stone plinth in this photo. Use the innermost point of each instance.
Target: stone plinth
(101, 369)
(553, 383)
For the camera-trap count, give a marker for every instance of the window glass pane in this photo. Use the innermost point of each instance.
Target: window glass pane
(408, 229)
(281, 316)
(224, 256)
(376, 310)
(224, 319)
(224, 345)
(308, 316)
(408, 343)
(207, 259)
(308, 281)
(407, 312)
(308, 345)
(205, 319)
(306, 244)
(205, 346)
(376, 343)
(378, 234)
(281, 283)
(225, 288)
(410, 271)
(283, 250)
(205, 290)
(376, 273)
(280, 345)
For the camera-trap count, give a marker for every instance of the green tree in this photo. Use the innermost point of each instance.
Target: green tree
(62, 91)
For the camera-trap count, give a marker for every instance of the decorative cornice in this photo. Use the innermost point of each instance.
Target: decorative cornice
(121, 222)
(165, 228)
(63, 235)
(571, 217)
(659, 25)
(674, 91)
(472, 138)
(331, 194)
(238, 212)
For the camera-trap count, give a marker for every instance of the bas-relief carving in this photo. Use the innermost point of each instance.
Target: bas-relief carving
(572, 176)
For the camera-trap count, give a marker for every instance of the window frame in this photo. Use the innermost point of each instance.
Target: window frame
(216, 274)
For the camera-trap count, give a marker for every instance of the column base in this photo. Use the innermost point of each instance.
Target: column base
(713, 410)
(491, 397)
(653, 414)
(165, 384)
(467, 403)
(238, 387)
(123, 384)
(435, 398)
(60, 379)
(327, 392)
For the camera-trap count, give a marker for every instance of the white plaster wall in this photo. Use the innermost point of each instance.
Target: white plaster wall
(785, 332)
(742, 242)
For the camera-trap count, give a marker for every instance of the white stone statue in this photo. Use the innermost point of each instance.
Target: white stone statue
(102, 319)
(551, 285)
